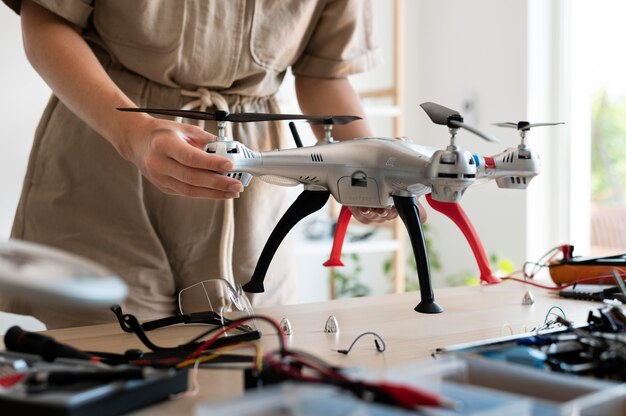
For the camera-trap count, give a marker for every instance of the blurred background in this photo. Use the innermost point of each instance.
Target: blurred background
(493, 61)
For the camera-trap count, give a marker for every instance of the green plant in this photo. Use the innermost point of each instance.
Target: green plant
(412, 283)
(347, 283)
(608, 153)
(499, 266)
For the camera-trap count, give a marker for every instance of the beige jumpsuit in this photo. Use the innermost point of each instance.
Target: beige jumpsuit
(81, 196)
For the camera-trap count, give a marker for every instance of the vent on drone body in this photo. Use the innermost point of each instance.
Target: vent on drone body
(514, 182)
(246, 153)
(243, 177)
(519, 166)
(308, 179)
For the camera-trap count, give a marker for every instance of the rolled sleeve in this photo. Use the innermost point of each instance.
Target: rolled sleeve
(342, 44)
(74, 11)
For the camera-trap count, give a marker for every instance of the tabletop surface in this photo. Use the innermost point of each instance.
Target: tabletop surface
(470, 314)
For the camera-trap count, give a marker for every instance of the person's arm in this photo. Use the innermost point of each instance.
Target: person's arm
(169, 154)
(335, 96)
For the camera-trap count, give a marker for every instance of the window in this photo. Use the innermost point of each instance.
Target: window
(598, 33)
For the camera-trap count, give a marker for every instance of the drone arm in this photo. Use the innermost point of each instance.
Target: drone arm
(514, 168)
(454, 211)
(340, 234)
(409, 213)
(307, 203)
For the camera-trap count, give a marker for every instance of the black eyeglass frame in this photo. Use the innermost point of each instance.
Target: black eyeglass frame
(208, 317)
(130, 324)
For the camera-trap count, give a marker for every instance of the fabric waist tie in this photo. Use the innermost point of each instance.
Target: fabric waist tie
(205, 99)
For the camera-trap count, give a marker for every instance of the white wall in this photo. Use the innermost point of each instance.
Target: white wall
(471, 56)
(23, 96)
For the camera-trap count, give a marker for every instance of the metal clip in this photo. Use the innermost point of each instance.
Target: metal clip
(285, 325)
(528, 298)
(332, 325)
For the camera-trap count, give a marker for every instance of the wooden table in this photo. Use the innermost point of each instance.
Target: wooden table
(471, 314)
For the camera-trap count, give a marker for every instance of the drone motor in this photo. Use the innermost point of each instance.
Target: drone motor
(451, 172)
(521, 161)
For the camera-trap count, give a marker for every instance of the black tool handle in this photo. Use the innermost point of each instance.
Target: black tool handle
(307, 203)
(18, 340)
(409, 213)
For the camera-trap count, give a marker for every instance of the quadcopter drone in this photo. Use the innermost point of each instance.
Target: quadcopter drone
(375, 173)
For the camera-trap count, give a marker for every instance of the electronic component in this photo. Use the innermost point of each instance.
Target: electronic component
(71, 388)
(588, 292)
(594, 350)
(571, 269)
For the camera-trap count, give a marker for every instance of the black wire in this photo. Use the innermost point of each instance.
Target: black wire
(245, 319)
(378, 347)
(182, 351)
(538, 265)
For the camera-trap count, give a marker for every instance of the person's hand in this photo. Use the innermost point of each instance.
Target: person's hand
(380, 215)
(171, 156)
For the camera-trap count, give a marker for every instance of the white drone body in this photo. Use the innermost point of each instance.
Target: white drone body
(375, 173)
(368, 172)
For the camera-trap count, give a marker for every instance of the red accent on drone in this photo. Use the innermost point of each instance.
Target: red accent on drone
(340, 234)
(490, 163)
(454, 211)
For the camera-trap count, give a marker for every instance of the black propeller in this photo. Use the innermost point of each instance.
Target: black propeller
(440, 114)
(244, 117)
(451, 118)
(333, 119)
(525, 125)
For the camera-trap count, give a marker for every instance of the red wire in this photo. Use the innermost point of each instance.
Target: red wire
(167, 360)
(233, 325)
(328, 372)
(544, 261)
(205, 345)
(403, 395)
(293, 373)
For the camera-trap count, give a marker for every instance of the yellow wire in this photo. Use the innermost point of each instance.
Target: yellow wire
(221, 351)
